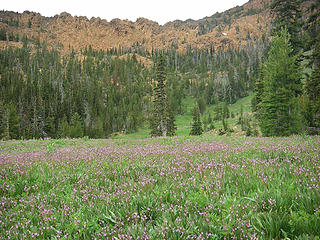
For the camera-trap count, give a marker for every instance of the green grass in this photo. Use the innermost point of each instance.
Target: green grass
(233, 108)
(184, 122)
(183, 187)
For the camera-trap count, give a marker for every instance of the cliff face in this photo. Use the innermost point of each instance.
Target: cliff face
(233, 27)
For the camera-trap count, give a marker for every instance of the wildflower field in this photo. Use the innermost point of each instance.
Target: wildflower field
(165, 188)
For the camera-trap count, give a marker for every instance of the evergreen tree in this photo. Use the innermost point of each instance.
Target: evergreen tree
(312, 87)
(312, 113)
(281, 79)
(196, 122)
(210, 123)
(9, 122)
(171, 125)
(76, 129)
(63, 128)
(50, 128)
(313, 33)
(241, 117)
(202, 105)
(96, 130)
(161, 120)
(225, 111)
(289, 16)
(225, 126)
(258, 89)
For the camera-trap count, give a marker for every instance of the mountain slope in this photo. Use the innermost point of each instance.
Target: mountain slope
(234, 27)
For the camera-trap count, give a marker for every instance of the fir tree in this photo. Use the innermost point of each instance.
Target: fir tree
(281, 79)
(162, 119)
(289, 16)
(196, 122)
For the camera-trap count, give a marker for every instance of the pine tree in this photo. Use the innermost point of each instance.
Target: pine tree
(288, 15)
(162, 118)
(196, 122)
(281, 80)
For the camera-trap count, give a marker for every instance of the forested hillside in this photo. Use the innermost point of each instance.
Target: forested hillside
(96, 93)
(56, 86)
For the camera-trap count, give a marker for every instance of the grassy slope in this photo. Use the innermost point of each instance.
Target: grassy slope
(184, 121)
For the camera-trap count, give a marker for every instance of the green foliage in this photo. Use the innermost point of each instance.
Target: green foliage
(63, 128)
(278, 113)
(9, 121)
(196, 122)
(76, 129)
(201, 105)
(113, 94)
(289, 16)
(53, 144)
(225, 111)
(171, 123)
(258, 89)
(50, 127)
(3, 35)
(225, 125)
(312, 108)
(210, 123)
(199, 199)
(162, 118)
(45, 87)
(29, 23)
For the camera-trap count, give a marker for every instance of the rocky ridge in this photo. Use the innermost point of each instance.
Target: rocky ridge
(235, 27)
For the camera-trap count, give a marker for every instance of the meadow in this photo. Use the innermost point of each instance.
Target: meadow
(165, 188)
